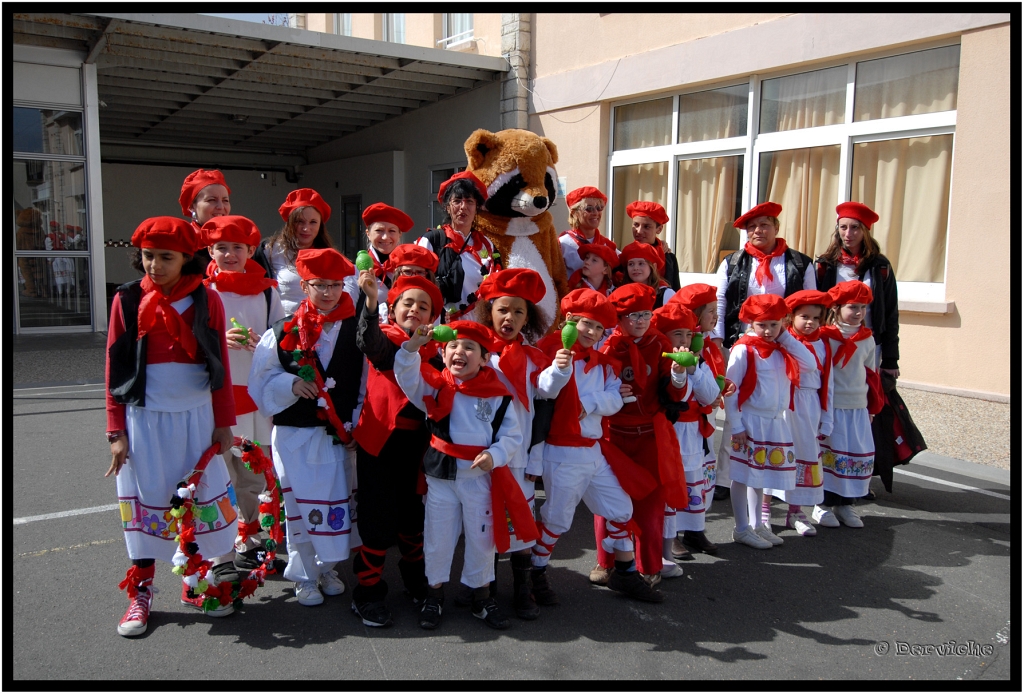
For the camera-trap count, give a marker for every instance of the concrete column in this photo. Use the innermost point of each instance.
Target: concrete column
(515, 47)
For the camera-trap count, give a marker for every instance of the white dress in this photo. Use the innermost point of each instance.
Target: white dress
(699, 486)
(848, 454)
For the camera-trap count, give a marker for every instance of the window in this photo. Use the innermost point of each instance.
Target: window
(394, 27)
(879, 131)
(458, 28)
(343, 23)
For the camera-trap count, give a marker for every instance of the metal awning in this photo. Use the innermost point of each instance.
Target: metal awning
(194, 82)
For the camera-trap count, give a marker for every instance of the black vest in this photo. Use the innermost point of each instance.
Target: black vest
(127, 356)
(436, 463)
(346, 368)
(738, 272)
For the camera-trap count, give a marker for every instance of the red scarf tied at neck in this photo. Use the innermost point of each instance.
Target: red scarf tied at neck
(847, 347)
(512, 363)
(765, 349)
(310, 322)
(253, 280)
(824, 367)
(156, 306)
(764, 270)
(485, 384)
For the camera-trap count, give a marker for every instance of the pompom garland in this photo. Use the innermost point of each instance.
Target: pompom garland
(309, 373)
(271, 513)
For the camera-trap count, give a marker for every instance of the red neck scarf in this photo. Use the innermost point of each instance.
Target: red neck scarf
(847, 347)
(485, 384)
(253, 280)
(764, 270)
(512, 363)
(712, 354)
(474, 244)
(398, 337)
(847, 259)
(825, 368)
(378, 267)
(577, 280)
(310, 321)
(765, 349)
(155, 308)
(660, 248)
(620, 341)
(582, 240)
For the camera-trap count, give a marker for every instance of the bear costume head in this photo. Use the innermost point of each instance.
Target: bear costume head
(518, 169)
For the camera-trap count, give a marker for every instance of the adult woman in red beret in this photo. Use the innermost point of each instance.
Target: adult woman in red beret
(765, 265)
(204, 195)
(305, 213)
(649, 218)
(586, 205)
(855, 255)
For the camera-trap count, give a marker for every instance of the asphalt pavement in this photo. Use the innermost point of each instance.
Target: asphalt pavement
(931, 566)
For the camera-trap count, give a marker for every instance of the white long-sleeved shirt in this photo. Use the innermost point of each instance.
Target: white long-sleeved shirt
(776, 286)
(849, 383)
(470, 420)
(599, 395)
(251, 311)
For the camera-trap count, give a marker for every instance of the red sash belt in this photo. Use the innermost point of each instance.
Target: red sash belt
(633, 479)
(509, 505)
(456, 450)
(696, 413)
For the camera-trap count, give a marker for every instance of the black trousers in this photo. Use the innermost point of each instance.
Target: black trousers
(831, 499)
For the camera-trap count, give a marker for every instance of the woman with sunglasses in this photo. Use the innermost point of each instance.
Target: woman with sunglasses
(586, 205)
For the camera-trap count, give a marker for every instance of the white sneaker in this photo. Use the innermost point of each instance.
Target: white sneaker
(669, 569)
(798, 522)
(308, 593)
(848, 516)
(330, 584)
(765, 532)
(751, 539)
(824, 517)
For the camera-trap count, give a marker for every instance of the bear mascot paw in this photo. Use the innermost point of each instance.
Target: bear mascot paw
(517, 167)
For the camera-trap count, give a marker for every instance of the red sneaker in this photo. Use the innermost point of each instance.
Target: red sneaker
(136, 619)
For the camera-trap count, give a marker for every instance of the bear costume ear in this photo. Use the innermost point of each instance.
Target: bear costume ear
(478, 145)
(551, 148)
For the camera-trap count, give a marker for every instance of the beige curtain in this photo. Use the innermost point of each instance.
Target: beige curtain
(904, 85)
(705, 210)
(807, 100)
(713, 114)
(646, 124)
(806, 183)
(642, 182)
(907, 183)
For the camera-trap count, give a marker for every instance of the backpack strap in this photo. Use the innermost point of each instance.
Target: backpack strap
(499, 417)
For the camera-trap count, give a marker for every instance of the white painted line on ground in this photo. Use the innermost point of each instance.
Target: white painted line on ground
(69, 547)
(954, 484)
(65, 514)
(69, 385)
(56, 394)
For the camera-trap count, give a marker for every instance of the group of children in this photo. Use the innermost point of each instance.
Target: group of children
(439, 431)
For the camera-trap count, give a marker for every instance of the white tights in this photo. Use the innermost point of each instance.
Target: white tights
(746, 504)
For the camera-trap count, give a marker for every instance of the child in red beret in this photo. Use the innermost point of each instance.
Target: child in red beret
(811, 415)
(579, 463)
(250, 301)
(648, 220)
(766, 363)
(598, 262)
(307, 373)
(169, 397)
(641, 264)
(848, 453)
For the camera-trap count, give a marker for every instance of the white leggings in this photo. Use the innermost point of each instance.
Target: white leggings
(745, 500)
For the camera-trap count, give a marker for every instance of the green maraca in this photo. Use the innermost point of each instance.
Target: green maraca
(239, 326)
(684, 359)
(364, 261)
(569, 334)
(444, 333)
(697, 343)
(720, 380)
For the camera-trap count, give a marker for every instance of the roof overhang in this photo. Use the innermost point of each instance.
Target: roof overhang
(194, 89)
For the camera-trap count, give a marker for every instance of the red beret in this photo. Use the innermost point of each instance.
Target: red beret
(411, 254)
(379, 212)
(602, 251)
(641, 250)
(305, 197)
(469, 176)
(766, 209)
(166, 233)
(406, 282)
(693, 296)
(857, 210)
(673, 316)
(232, 227)
(852, 292)
(583, 193)
(518, 281)
(807, 297)
(632, 297)
(646, 208)
(471, 330)
(195, 182)
(587, 303)
(763, 307)
(323, 263)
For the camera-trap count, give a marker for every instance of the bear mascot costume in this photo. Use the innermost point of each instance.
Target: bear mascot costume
(517, 167)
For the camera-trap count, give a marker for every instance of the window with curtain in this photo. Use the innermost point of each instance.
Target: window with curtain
(905, 85)
(906, 182)
(394, 27)
(646, 124)
(714, 114)
(343, 23)
(457, 23)
(707, 202)
(632, 183)
(806, 100)
(806, 183)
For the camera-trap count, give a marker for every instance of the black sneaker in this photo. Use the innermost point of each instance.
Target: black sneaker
(721, 493)
(373, 614)
(430, 613)
(633, 585)
(492, 615)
